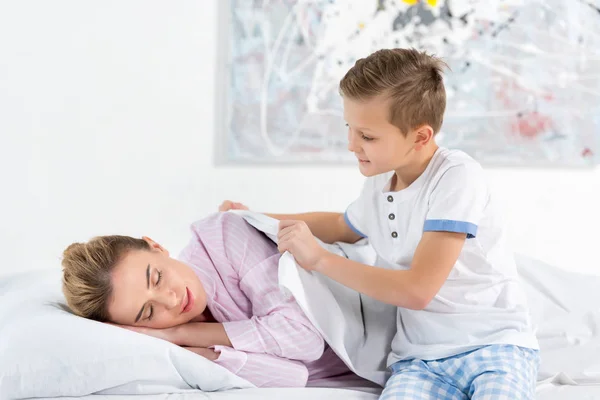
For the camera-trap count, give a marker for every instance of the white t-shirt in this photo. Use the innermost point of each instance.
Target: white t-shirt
(482, 301)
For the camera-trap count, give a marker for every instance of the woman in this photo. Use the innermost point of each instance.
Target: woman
(220, 299)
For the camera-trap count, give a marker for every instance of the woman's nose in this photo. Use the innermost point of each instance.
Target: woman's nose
(169, 299)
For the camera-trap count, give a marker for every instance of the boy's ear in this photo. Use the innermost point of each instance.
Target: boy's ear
(155, 246)
(423, 136)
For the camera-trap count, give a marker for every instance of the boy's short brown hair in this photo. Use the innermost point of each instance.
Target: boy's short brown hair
(410, 79)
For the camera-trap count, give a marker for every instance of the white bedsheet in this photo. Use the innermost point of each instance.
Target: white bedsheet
(565, 309)
(249, 394)
(550, 392)
(348, 387)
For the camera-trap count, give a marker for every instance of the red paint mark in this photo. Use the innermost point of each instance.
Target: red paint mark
(549, 97)
(587, 152)
(531, 124)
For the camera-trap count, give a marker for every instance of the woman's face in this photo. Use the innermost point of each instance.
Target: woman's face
(154, 290)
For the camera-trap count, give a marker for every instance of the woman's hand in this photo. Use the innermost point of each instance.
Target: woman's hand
(167, 334)
(209, 354)
(230, 205)
(191, 334)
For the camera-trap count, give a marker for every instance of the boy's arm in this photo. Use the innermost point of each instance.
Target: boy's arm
(456, 206)
(414, 288)
(329, 227)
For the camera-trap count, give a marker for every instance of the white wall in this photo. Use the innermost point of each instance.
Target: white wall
(107, 124)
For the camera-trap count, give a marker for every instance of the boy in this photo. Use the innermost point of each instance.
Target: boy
(463, 325)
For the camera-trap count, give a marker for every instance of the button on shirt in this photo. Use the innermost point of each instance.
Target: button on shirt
(482, 301)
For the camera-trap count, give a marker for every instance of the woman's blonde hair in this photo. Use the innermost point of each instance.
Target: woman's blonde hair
(87, 271)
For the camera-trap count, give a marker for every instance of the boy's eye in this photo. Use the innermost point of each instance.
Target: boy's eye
(159, 278)
(362, 135)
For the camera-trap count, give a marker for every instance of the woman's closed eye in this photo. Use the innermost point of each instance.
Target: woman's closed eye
(155, 285)
(151, 312)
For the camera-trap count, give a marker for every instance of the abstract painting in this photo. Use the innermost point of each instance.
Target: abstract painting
(523, 86)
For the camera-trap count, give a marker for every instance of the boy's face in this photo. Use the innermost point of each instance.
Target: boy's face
(378, 145)
(155, 289)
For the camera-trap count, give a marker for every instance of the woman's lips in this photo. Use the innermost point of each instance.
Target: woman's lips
(188, 301)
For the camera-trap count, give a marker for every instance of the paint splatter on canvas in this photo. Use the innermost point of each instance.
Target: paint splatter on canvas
(524, 85)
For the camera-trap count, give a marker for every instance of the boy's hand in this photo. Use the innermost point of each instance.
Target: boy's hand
(230, 205)
(296, 237)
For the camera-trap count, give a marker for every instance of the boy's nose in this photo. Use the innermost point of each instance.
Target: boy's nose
(352, 143)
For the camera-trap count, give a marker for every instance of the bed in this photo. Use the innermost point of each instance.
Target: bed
(353, 392)
(44, 354)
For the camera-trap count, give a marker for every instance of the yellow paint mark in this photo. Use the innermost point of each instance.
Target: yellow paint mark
(361, 25)
(432, 3)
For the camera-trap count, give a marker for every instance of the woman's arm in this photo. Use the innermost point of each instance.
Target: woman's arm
(278, 326)
(262, 370)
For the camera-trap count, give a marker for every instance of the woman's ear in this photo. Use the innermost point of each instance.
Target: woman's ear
(155, 246)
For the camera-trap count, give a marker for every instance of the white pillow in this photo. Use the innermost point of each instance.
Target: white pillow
(45, 351)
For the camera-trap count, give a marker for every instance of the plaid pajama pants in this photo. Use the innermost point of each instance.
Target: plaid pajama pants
(492, 372)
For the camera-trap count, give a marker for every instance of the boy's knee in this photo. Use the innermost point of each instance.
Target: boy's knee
(419, 385)
(502, 387)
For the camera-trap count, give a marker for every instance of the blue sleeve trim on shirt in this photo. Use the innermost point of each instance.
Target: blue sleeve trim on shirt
(352, 226)
(446, 225)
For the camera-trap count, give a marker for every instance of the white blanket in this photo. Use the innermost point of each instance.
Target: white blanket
(358, 328)
(565, 309)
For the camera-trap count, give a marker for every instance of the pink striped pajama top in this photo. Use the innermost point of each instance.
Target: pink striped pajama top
(274, 343)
